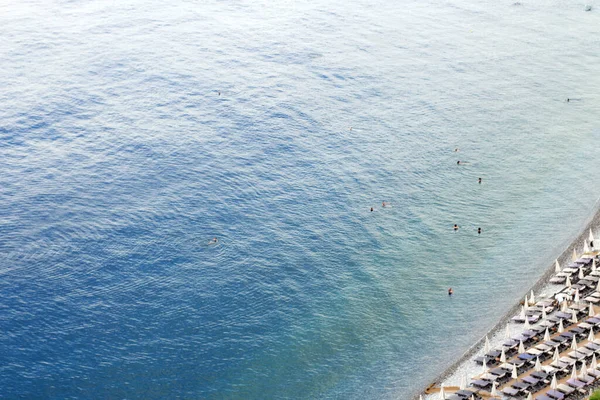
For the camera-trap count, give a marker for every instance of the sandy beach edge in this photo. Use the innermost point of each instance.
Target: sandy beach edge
(564, 258)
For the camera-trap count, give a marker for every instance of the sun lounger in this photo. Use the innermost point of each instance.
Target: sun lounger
(587, 352)
(578, 331)
(576, 383)
(520, 385)
(593, 345)
(585, 326)
(544, 397)
(591, 299)
(544, 348)
(563, 315)
(577, 355)
(465, 394)
(535, 352)
(539, 375)
(526, 356)
(555, 394)
(481, 384)
(510, 391)
(558, 280)
(594, 372)
(531, 380)
(566, 389)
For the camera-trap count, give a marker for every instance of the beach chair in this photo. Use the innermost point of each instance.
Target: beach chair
(555, 394)
(565, 389)
(511, 392)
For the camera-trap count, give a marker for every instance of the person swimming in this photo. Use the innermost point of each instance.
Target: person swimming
(479, 181)
(213, 241)
(455, 227)
(383, 204)
(479, 231)
(450, 291)
(456, 150)
(371, 209)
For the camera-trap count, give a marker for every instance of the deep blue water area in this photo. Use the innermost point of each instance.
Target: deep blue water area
(132, 133)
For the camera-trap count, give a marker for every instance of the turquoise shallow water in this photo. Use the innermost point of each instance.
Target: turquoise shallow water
(120, 161)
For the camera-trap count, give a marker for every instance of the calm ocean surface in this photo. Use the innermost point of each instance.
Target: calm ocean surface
(119, 161)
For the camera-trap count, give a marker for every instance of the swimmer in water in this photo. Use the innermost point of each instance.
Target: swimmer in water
(480, 181)
(214, 241)
(218, 91)
(568, 100)
(450, 291)
(479, 231)
(456, 150)
(458, 162)
(371, 209)
(383, 204)
(455, 227)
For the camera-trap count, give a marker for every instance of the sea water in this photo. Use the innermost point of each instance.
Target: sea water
(134, 132)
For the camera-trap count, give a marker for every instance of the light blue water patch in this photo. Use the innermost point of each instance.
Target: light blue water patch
(133, 133)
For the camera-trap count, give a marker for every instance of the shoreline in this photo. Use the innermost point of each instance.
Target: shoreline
(542, 283)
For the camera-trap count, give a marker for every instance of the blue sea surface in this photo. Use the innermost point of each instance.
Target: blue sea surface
(134, 132)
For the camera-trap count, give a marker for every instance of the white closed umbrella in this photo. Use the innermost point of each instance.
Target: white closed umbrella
(574, 256)
(494, 392)
(522, 313)
(553, 384)
(574, 372)
(515, 373)
(563, 306)
(544, 315)
(503, 356)
(532, 297)
(529, 396)
(420, 397)
(442, 394)
(556, 267)
(521, 347)
(527, 326)
(526, 304)
(484, 366)
(574, 344)
(591, 335)
(576, 299)
(561, 327)
(568, 283)
(591, 236)
(507, 332)
(546, 335)
(594, 363)
(586, 249)
(463, 382)
(584, 371)
(591, 311)
(580, 275)
(486, 347)
(538, 365)
(573, 316)
(556, 355)
(598, 286)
